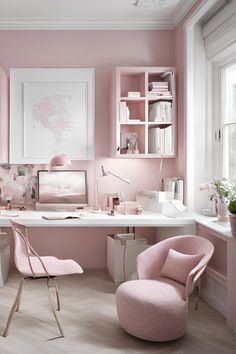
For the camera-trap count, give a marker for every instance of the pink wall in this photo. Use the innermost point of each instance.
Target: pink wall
(102, 50)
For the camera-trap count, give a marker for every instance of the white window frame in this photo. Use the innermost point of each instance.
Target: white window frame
(218, 102)
(201, 61)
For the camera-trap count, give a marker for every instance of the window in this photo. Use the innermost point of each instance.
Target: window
(228, 123)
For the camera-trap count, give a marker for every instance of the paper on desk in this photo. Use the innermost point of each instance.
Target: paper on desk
(60, 217)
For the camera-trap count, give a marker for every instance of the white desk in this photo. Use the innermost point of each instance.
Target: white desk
(87, 219)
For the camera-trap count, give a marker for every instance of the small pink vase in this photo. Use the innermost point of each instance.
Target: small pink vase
(232, 219)
(222, 211)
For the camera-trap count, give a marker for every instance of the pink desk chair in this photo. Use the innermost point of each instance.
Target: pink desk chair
(155, 306)
(32, 266)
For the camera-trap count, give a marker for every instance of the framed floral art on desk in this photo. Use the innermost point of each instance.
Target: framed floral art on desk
(3, 118)
(51, 112)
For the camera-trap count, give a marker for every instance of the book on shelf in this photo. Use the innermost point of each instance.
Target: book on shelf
(124, 112)
(158, 84)
(159, 93)
(160, 111)
(133, 120)
(160, 140)
(60, 217)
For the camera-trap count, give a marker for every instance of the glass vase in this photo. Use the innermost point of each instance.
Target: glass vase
(222, 211)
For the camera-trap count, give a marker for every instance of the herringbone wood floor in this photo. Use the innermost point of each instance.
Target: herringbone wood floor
(88, 316)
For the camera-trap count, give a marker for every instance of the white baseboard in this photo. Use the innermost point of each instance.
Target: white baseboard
(214, 290)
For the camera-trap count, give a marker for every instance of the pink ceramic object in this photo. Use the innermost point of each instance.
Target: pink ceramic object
(59, 161)
(155, 306)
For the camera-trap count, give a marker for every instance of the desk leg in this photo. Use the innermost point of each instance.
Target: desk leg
(231, 280)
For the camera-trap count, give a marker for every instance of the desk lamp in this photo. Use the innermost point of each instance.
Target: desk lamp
(106, 173)
(58, 161)
(126, 180)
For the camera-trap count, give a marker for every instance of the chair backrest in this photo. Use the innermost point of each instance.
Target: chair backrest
(151, 261)
(23, 251)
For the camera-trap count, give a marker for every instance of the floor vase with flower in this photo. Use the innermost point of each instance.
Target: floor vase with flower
(222, 211)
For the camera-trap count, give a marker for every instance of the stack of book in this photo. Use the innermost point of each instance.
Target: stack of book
(125, 114)
(159, 88)
(160, 141)
(160, 111)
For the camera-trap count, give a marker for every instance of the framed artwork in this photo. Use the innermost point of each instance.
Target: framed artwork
(51, 112)
(3, 117)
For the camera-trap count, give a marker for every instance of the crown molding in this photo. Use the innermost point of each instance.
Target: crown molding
(181, 10)
(84, 24)
(98, 24)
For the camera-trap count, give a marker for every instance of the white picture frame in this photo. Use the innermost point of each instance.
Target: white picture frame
(51, 112)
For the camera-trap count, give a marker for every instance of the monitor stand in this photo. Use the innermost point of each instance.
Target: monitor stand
(59, 207)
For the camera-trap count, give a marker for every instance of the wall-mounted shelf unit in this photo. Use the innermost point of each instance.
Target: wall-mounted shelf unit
(144, 112)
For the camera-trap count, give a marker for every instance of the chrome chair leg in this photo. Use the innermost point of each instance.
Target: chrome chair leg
(53, 309)
(57, 295)
(197, 294)
(15, 307)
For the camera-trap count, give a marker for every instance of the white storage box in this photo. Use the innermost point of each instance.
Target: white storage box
(122, 251)
(4, 259)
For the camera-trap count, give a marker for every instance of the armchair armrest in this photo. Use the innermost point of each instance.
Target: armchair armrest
(150, 261)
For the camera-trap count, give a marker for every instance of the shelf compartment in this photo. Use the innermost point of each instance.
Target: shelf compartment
(160, 140)
(160, 82)
(136, 110)
(132, 139)
(160, 111)
(132, 82)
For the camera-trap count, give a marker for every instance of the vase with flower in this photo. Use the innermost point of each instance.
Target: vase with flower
(220, 191)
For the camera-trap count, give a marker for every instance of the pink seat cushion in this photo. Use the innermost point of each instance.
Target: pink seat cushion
(54, 266)
(178, 265)
(152, 309)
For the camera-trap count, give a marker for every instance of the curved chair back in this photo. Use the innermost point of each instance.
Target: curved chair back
(151, 261)
(23, 251)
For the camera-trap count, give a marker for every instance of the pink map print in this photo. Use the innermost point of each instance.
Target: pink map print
(54, 113)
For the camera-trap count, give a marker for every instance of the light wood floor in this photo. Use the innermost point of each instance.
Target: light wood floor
(89, 319)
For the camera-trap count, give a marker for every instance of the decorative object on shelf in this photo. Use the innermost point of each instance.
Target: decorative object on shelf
(52, 110)
(220, 191)
(232, 216)
(58, 161)
(129, 143)
(133, 94)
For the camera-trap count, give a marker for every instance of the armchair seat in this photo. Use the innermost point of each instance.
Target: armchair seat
(146, 308)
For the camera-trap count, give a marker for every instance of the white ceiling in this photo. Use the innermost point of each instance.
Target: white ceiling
(91, 14)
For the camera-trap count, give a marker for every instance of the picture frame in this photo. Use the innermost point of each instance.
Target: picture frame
(3, 117)
(51, 112)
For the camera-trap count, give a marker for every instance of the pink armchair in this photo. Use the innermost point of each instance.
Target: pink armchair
(32, 266)
(155, 306)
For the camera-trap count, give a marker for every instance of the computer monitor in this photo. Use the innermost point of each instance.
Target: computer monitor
(63, 187)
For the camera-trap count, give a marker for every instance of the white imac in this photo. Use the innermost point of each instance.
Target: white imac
(62, 190)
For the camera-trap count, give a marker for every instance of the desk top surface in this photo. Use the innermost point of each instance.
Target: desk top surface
(90, 219)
